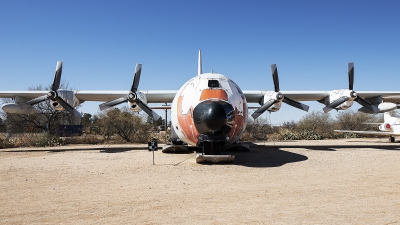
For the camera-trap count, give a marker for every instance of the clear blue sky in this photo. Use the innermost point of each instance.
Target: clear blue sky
(100, 42)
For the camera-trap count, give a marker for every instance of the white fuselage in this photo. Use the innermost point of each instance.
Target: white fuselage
(197, 90)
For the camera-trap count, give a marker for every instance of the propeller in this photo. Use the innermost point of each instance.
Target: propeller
(352, 95)
(279, 97)
(132, 96)
(53, 94)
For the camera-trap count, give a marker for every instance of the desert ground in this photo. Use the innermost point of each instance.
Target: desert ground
(352, 181)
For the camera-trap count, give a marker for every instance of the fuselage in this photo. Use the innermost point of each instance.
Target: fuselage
(209, 107)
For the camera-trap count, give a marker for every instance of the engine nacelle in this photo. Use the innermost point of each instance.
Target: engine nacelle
(385, 127)
(133, 106)
(14, 108)
(68, 96)
(383, 107)
(56, 105)
(345, 105)
(271, 95)
(337, 94)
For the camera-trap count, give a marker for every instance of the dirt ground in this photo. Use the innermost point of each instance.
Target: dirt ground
(353, 181)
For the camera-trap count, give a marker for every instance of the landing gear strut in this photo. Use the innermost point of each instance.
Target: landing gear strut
(391, 139)
(215, 147)
(206, 148)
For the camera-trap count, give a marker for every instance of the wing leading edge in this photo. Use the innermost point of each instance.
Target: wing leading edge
(367, 132)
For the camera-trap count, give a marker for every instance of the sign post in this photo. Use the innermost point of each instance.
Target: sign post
(152, 145)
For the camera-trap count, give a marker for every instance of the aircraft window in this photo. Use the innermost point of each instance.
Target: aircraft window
(213, 83)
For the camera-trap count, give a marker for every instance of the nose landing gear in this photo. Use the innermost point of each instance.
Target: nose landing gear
(207, 148)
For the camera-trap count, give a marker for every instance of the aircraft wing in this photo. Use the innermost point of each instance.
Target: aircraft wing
(254, 96)
(162, 96)
(153, 96)
(366, 132)
(24, 94)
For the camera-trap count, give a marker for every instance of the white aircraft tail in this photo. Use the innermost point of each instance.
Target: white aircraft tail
(199, 65)
(387, 118)
(393, 121)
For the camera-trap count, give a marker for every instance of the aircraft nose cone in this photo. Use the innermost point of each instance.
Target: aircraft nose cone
(212, 116)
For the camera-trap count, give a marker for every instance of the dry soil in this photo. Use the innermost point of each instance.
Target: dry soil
(355, 181)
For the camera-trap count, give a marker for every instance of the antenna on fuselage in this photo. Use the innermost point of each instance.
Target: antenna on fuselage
(199, 69)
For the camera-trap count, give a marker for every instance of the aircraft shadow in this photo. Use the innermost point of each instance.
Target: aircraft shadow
(265, 156)
(336, 147)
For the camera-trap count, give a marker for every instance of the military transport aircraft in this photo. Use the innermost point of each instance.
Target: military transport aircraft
(209, 111)
(390, 127)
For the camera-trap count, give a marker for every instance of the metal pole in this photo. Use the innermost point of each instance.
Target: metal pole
(166, 117)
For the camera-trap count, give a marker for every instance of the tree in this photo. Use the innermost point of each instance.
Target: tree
(351, 120)
(158, 122)
(258, 129)
(2, 126)
(124, 123)
(316, 122)
(86, 120)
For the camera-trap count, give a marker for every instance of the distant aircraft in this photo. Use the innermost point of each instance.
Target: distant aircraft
(209, 111)
(390, 127)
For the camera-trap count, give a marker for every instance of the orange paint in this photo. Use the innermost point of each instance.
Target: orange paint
(213, 93)
(186, 122)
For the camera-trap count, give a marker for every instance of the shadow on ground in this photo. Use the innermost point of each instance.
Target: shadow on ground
(338, 147)
(265, 156)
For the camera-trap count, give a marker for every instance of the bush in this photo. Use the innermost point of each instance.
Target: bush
(84, 139)
(286, 134)
(29, 140)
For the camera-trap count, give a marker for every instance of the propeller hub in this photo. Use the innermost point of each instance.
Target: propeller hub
(353, 94)
(52, 95)
(279, 96)
(132, 97)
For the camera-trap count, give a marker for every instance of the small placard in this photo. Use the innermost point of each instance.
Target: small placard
(152, 146)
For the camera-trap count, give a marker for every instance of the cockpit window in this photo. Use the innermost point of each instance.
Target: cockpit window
(213, 84)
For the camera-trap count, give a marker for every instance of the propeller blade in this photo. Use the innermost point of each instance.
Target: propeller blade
(57, 76)
(367, 105)
(136, 77)
(112, 103)
(262, 109)
(68, 107)
(33, 101)
(296, 104)
(275, 77)
(147, 110)
(335, 103)
(350, 67)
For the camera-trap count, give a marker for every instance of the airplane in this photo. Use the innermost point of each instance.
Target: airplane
(209, 111)
(390, 127)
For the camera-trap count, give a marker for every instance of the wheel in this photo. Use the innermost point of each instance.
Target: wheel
(391, 139)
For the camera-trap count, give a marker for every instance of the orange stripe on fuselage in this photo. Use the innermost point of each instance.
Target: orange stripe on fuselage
(213, 93)
(186, 122)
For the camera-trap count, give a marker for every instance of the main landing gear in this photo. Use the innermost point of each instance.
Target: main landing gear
(392, 139)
